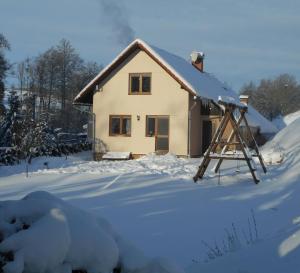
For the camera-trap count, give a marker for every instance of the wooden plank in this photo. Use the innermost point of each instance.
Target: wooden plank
(227, 157)
(228, 143)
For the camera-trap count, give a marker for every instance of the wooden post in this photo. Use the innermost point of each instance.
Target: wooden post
(246, 155)
(258, 154)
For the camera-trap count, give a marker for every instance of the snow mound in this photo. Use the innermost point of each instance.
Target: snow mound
(287, 139)
(285, 143)
(280, 122)
(42, 233)
(277, 251)
(288, 119)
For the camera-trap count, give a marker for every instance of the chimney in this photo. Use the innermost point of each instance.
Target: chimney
(244, 99)
(197, 59)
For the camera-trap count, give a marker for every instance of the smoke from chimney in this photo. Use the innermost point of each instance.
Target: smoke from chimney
(115, 16)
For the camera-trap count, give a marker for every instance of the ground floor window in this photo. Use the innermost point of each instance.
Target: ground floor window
(119, 125)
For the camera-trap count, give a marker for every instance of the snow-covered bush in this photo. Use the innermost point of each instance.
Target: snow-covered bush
(28, 136)
(42, 233)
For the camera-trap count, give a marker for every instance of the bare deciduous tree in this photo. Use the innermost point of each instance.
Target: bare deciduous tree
(273, 97)
(55, 77)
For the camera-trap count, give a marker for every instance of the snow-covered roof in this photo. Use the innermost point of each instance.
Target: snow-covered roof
(201, 84)
(255, 119)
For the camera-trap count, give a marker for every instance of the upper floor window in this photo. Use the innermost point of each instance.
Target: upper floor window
(140, 83)
(119, 125)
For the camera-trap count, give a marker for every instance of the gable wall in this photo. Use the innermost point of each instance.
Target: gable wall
(167, 98)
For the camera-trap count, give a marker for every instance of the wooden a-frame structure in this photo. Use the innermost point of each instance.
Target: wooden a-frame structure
(211, 152)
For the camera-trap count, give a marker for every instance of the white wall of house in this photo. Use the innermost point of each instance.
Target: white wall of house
(167, 98)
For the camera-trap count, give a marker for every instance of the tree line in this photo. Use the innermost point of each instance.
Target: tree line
(54, 78)
(50, 81)
(274, 97)
(41, 102)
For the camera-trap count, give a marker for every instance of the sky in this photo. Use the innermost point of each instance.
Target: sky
(242, 40)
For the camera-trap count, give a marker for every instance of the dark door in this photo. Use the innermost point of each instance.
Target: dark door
(162, 135)
(206, 134)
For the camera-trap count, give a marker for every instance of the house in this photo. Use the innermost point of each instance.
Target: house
(149, 100)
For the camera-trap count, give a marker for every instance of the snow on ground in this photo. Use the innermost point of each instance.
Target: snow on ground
(277, 250)
(47, 235)
(281, 122)
(154, 203)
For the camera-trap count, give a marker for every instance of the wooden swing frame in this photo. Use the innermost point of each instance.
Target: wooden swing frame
(211, 153)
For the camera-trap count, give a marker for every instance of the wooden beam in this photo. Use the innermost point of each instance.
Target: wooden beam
(227, 157)
(258, 154)
(241, 140)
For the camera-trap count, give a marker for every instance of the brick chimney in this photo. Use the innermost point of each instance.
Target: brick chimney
(244, 99)
(197, 59)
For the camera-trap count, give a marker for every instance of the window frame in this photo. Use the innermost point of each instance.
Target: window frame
(155, 126)
(140, 75)
(121, 118)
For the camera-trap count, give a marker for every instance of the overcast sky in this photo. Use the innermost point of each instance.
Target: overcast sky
(242, 40)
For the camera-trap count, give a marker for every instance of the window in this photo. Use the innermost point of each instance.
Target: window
(140, 83)
(150, 126)
(157, 126)
(120, 125)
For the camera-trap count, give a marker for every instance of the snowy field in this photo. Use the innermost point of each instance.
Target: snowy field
(154, 203)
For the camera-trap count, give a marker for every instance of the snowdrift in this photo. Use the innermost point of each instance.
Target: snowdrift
(42, 233)
(278, 251)
(280, 122)
(286, 144)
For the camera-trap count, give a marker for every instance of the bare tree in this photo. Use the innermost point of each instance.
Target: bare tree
(273, 97)
(55, 77)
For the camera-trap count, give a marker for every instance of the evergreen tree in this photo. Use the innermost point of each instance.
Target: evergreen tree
(11, 123)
